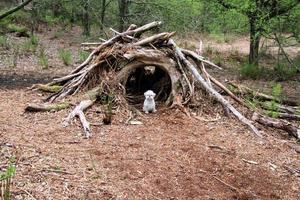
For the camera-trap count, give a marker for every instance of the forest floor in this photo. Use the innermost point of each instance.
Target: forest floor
(169, 156)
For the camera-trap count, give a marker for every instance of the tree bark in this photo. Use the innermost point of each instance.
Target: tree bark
(15, 9)
(123, 11)
(56, 8)
(86, 18)
(255, 36)
(103, 9)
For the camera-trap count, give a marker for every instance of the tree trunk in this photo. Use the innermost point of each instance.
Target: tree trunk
(86, 18)
(103, 9)
(56, 8)
(34, 17)
(123, 11)
(254, 41)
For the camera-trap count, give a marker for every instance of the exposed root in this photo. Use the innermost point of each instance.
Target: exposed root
(78, 111)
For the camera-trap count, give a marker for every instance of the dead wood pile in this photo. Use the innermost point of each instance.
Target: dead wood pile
(116, 70)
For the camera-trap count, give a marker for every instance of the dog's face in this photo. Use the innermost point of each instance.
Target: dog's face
(149, 94)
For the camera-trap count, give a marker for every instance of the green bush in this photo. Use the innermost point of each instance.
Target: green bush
(65, 56)
(251, 71)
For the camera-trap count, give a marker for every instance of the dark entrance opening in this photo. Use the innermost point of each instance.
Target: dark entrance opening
(146, 78)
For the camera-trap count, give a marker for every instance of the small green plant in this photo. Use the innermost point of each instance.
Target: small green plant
(277, 90)
(65, 56)
(273, 112)
(14, 57)
(31, 44)
(273, 106)
(5, 180)
(251, 71)
(43, 58)
(83, 55)
(34, 40)
(4, 42)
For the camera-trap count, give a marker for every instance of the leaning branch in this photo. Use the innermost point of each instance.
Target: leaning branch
(15, 9)
(212, 91)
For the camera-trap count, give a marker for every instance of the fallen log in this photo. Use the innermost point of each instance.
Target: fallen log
(212, 91)
(259, 95)
(277, 123)
(47, 88)
(34, 107)
(288, 116)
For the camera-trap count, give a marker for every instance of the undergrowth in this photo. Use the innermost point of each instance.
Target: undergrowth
(65, 56)
(251, 71)
(43, 58)
(273, 105)
(5, 180)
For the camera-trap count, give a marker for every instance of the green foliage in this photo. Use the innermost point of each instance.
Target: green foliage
(284, 71)
(43, 58)
(251, 102)
(50, 20)
(251, 71)
(16, 28)
(34, 40)
(31, 44)
(5, 180)
(277, 90)
(4, 42)
(273, 108)
(83, 55)
(65, 56)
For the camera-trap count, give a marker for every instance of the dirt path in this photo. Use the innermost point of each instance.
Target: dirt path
(169, 157)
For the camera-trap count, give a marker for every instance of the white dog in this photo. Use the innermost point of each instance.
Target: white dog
(149, 103)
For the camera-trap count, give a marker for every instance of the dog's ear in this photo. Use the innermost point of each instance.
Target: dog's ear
(145, 93)
(154, 94)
